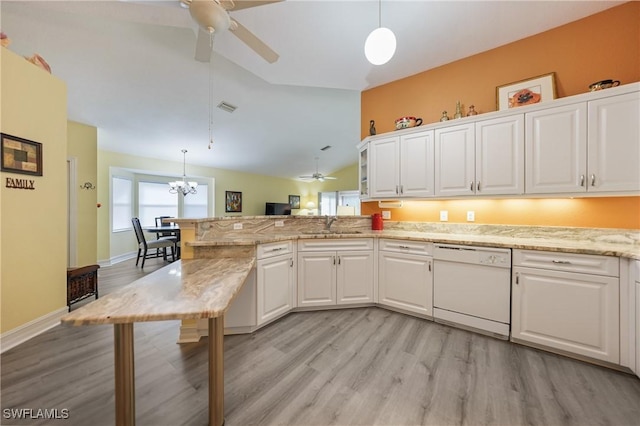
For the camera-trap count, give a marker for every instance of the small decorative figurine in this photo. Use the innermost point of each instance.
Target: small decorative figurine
(458, 113)
(372, 127)
(444, 116)
(472, 111)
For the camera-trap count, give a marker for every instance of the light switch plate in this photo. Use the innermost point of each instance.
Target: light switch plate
(279, 223)
(237, 226)
(471, 216)
(444, 215)
(386, 214)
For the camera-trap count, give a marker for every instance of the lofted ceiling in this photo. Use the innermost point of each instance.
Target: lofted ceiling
(130, 70)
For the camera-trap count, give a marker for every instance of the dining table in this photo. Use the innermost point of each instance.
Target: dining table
(168, 230)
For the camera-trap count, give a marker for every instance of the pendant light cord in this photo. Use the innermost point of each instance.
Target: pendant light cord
(379, 13)
(211, 91)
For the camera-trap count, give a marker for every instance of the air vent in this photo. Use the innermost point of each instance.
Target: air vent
(325, 148)
(227, 106)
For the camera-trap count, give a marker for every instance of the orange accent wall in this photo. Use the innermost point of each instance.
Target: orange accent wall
(610, 212)
(601, 46)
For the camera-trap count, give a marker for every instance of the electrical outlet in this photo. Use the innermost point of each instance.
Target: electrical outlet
(386, 214)
(279, 223)
(444, 215)
(237, 226)
(471, 216)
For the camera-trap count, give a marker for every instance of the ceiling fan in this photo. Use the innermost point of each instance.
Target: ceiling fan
(317, 176)
(212, 16)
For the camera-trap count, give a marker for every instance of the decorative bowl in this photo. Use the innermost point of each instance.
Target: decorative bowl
(407, 122)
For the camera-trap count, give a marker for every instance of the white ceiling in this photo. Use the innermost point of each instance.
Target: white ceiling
(130, 71)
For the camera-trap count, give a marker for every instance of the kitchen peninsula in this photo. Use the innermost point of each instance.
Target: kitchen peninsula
(225, 270)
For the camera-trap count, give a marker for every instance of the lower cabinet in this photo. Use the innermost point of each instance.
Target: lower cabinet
(567, 302)
(405, 276)
(635, 315)
(275, 286)
(335, 272)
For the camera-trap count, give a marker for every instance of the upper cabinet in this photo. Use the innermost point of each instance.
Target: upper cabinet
(482, 158)
(583, 144)
(613, 152)
(402, 166)
(556, 150)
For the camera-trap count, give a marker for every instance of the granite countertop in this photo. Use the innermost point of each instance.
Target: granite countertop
(185, 289)
(570, 240)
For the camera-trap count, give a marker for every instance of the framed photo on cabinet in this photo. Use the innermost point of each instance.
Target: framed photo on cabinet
(526, 92)
(21, 155)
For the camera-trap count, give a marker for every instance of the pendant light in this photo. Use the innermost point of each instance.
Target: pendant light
(381, 43)
(183, 186)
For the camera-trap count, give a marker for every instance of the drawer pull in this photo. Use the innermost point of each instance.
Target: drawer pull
(404, 247)
(277, 249)
(561, 262)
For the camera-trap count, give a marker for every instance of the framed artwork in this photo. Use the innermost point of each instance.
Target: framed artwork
(21, 155)
(294, 200)
(232, 202)
(526, 92)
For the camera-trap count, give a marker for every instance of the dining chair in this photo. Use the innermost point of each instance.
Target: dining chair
(169, 235)
(158, 247)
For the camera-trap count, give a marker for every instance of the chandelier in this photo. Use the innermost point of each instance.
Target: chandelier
(183, 186)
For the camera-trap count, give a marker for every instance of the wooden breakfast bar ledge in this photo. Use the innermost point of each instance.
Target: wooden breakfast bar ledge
(186, 289)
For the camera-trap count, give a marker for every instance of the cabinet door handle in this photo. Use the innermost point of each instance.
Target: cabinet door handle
(334, 260)
(339, 261)
(291, 264)
(397, 189)
(478, 186)
(593, 180)
(471, 187)
(429, 266)
(401, 189)
(561, 262)
(517, 278)
(581, 180)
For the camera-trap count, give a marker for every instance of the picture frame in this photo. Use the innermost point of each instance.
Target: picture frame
(20, 155)
(232, 202)
(526, 92)
(294, 201)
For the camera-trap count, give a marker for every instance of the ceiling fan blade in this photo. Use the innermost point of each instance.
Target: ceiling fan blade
(254, 42)
(246, 4)
(203, 46)
(330, 178)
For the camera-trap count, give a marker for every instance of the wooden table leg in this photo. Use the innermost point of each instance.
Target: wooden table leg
(125, 375)
(216, 371)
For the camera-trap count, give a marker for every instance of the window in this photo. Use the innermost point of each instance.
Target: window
(122, 206)
(195, 205)
(154, 199)
(330, 201)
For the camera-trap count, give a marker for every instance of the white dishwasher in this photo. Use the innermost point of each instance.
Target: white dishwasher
(472, 287)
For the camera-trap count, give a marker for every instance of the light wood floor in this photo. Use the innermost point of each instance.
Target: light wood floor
(363, 366)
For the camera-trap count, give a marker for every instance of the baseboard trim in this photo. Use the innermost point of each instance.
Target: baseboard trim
(118, 259)
(24, 332)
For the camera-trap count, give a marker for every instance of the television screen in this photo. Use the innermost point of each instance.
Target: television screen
(277, 209)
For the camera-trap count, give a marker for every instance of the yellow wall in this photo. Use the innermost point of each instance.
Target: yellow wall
(83, 146)
(34, 223)
(256, 190)
(604, 45)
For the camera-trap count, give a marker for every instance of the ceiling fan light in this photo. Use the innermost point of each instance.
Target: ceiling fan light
(209, 15)
(193, 184)
(380, 46)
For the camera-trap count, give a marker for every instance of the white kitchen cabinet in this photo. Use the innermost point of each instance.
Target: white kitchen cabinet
(589, 147)
(405, 276)
(482, 158)
(567, 302)
(500, 156)
(556, 149)
(275, 287)
(614, 144)
(363, 169)
(402, 166)
(455, 160)
(335, 272)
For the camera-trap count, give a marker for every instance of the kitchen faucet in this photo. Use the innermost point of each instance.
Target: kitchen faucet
(330, 220)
